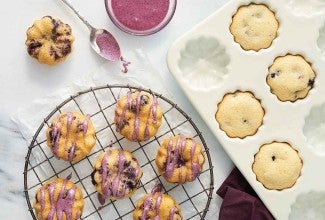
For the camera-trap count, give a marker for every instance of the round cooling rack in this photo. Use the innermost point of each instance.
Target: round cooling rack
(41, 166)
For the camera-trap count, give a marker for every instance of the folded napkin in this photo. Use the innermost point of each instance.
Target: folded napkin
(240, 201)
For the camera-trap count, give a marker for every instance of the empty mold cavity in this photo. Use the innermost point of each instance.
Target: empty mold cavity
(204, 62)
(308, 206)
(314, 129)
(306, 7)
(321, 38)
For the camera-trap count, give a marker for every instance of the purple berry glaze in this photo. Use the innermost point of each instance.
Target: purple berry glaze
(154, 110)
(85, 124)
(56, 135)
(171, 214)
(69, 122)
(148, 202)
(111, 187)
(170, 163)
(116, 181)
(42, 202)
(140, 15)
(158, 203)
(64, 203)
(105, 181)
(146, 207)
(125, 65)
(72, 152)
(108, 46)
(50, 216)
(137, 118)
(195, 166)
(120, 119)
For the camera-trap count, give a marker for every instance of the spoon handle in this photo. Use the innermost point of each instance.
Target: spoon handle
(77, 13)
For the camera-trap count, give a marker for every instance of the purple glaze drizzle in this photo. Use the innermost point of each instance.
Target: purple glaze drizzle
(51, 194)
(154, 110)
(116, 181)
(148, 203)
(170, 163)
(110, 188)
(85, 124)
(72, 152)
(63, 204)
(158, 202)
(56, 132)
(125, 65)
(42, 200)
(146, 206)
(140, 15)
(108, 46)
(137, 118)
(171, 214)
(120, 119)
(194, 165)
(69, 122)
(105, 182)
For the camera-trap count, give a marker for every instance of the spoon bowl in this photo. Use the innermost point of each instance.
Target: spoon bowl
(104, 43)
(101, 40)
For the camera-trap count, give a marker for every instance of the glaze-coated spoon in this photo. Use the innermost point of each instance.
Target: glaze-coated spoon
(101, 40)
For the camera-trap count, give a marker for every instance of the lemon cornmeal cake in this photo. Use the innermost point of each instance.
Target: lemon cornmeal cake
(138, 116)
(277, 165)
(290, 77)
(59, 199)
(71, 136)
(254, 27)
(239, 114)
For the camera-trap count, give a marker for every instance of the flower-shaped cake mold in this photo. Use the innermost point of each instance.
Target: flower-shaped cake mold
(308, 206)
(314, 129)
(204, 62)
(306, 7)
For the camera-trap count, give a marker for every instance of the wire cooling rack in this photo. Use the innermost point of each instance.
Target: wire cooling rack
(41, 166)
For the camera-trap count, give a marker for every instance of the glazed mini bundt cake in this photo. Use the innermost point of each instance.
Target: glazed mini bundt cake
(71, 136)
(59, 199)
(49, 40)
(138, 116)
(157, 205)
(116, 175)
(180, 159)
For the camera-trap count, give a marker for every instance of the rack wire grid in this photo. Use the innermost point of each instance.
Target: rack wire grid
(99, 102)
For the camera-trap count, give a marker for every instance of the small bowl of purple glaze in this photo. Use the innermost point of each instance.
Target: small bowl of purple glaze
(140, 17)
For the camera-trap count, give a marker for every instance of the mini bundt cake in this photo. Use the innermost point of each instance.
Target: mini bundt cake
(59, 199)
(138, 116)
(157, 205)
(180, 159)
(116, 175)
(71, 136)
(49, 40)
(277, 165)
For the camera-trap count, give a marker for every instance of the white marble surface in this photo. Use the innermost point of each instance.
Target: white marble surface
(23, 80)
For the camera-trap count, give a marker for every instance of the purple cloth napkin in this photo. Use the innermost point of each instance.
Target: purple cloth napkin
(240, 201)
